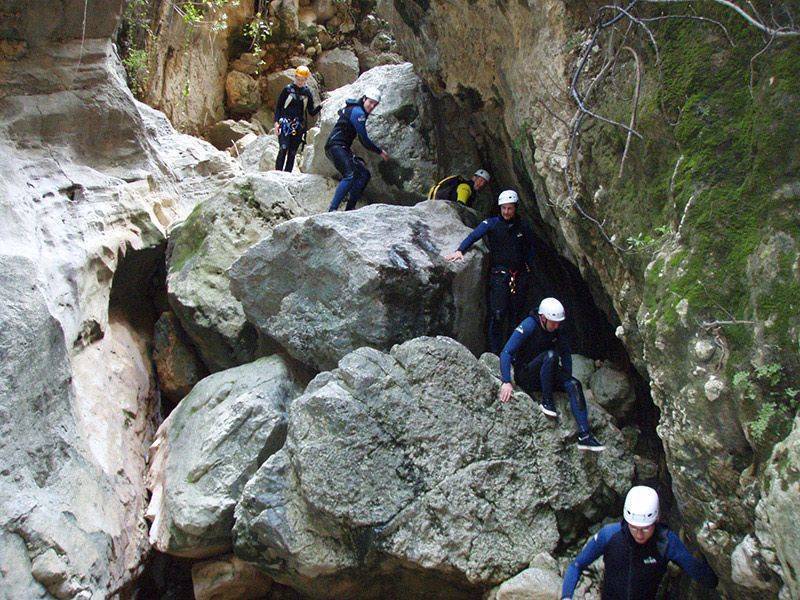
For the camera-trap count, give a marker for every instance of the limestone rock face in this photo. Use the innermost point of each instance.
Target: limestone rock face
(775, 525)
(177, 364)
(229, 577)
(406, 460)
(260, 154)
(223, 134)
(97, 185)
(218, 232)
(402, 124)
(338, 67)
(325, 285)
(208, 448)
(189, 64)
(612, 390)
(242, 94)
(540, 581)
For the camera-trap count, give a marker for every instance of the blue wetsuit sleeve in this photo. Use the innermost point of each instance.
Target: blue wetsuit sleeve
(358, 119)
(695, 568)
(593, 549)
(477, 233)
(512, 345)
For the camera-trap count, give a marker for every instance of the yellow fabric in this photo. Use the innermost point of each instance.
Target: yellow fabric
(463, 192)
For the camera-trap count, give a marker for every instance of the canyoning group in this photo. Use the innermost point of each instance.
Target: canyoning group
(534, 347)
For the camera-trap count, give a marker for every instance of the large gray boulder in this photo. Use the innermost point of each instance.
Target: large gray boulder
(406, 462)
(208, 448)
(328, 284)
(338, 67)
(218, 232)
(402, 124)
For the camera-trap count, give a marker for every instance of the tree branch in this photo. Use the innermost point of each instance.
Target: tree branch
(635, 108)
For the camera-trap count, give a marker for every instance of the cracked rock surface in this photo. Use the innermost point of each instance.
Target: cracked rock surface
(325, 285)
(405, 462)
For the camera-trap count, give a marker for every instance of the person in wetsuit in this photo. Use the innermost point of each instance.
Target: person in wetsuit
(636, 552)
(510, 243)
(294, 102)
(460, 189)
(352, 123)
(540, 352)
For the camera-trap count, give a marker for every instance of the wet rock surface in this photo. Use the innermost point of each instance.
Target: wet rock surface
(406, 461)
(211, 239)
(325, 285)
(208, 448)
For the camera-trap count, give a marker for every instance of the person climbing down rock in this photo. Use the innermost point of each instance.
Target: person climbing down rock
(351, 123)
(540, 353)
(636, 552)
(511, 246)
(458, 189)
(294, 101)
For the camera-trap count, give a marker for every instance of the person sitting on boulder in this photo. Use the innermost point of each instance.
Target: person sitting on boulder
(537, 367)
(636, 551)
(351, 123)
(511, 246)
(458, 189)
(293, 103)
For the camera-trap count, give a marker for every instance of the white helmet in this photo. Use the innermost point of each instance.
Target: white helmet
(373, 93)
(641, 506)
(551, 309)
(482, 173)
(507, 197)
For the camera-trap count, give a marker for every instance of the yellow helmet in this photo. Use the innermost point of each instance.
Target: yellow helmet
(302, 71)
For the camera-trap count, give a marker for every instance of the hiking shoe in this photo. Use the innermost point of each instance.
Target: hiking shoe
(548, 408)
(588, 442)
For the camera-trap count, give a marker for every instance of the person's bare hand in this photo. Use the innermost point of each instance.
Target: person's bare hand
(385, 155)
(277, 129)
(454, 256)
(505, 392)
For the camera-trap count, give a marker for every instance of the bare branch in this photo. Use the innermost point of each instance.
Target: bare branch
(778, 31)
(635, 108)
(753, 60)
(640, 24)
(713, 324)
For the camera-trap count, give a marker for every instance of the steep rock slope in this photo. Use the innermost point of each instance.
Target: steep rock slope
(707, 286)
(90, 181)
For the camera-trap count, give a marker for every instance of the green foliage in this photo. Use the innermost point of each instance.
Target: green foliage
(258, 32)
(196, 12)
(137, 70)
(766, 384)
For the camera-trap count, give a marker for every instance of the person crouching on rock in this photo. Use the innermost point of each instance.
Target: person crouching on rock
(351, 124)
(636, 552)
(546, 365)
(459, 189)
(511, 248)
(293, 103)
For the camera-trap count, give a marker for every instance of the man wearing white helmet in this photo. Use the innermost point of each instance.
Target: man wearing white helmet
(510, 244)
(352, 123)
(459, 189)
(546, 365)
(636, 551)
